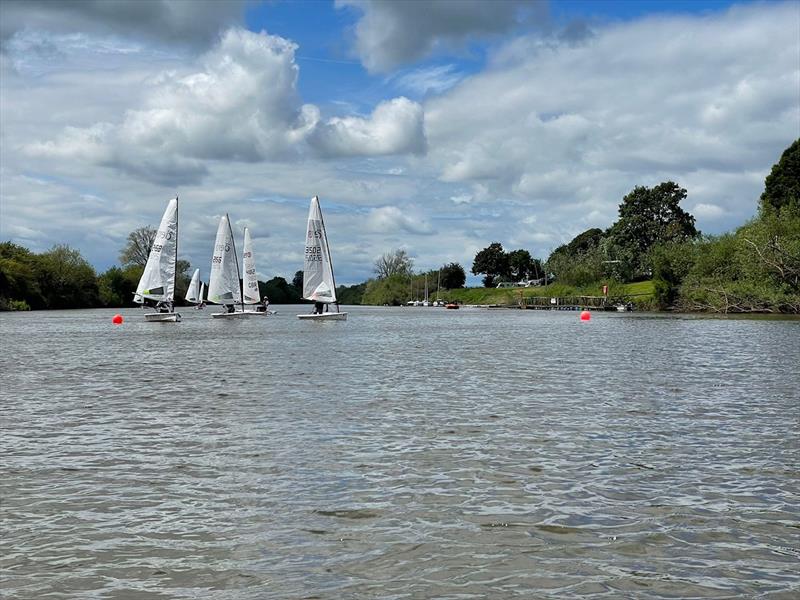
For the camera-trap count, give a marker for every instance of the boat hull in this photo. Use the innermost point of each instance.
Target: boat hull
(342, 316)
(240, 315)
(163, 317)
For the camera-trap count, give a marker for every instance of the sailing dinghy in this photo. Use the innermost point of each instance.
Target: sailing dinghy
(157, 283)
(194, 293)
(319, 284)
(252, 300)
(223, 284)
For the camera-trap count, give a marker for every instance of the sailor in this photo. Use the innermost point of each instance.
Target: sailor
(265, 304)
(318, 308)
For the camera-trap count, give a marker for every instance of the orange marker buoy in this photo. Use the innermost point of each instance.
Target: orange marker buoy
(117, 319)
(585, 315)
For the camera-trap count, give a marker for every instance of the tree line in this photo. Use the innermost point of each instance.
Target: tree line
(62, 278)
(755, 268)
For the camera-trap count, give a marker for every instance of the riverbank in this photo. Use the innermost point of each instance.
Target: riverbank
(641, 294)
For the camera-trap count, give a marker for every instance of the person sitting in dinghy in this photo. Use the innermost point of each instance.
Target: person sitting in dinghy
(163, 306)
(318, 306)
(264, 307)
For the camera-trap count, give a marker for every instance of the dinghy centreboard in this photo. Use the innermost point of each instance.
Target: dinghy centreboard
(319, 284)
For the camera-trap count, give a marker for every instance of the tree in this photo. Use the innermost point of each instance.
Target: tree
(648, 217)
(782, 186)
(453, 276)
(393, 263)
(579, 262)
(392, 290)
(492, 262)
(66, 279)
(137, 248)
(297, 282)
(279, 291)
(523, 266)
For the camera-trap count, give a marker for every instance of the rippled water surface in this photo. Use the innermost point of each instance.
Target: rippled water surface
(405, 453)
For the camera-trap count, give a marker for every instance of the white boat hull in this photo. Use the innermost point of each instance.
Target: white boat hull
(342, 316)
(240, 315)
(172, 317)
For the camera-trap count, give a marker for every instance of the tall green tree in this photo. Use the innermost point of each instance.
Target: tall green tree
(782, 186)
(647, 217)
(492, 263)
(453, 276)
(523, 266)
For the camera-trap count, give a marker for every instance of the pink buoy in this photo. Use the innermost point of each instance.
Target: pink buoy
(117, 319)
(585, 315)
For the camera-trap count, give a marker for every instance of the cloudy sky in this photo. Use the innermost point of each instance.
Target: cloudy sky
(433, 127)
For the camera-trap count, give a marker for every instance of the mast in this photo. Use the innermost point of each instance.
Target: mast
(175, 270)
(328, 251)
(236, 260)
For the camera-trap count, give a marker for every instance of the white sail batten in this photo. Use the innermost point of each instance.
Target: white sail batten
(318, 283)
(158, 279)
(223, 285)
(250, 280)
(193, 291)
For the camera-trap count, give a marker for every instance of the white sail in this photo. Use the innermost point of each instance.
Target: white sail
(158, 278)
(223, 285)
(193, 291)
(202, 291)
(318, 284)
(250, 280)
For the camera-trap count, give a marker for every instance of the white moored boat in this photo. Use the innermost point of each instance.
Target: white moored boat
(319, 285)
(157, 283)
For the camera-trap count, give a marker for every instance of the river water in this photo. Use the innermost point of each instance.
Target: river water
(404, 453)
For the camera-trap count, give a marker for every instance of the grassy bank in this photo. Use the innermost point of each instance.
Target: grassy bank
(640, 293)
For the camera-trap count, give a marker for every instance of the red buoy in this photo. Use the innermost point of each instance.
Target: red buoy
(585, 315)
(117, 319)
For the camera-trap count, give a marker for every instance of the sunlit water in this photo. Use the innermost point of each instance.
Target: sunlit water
(405, 453)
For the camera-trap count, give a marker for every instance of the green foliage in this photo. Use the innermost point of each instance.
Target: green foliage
(782, 186)
(66, 279)
(453, 276)
(297, 282)
(279, 291)
(648, 217)
(351, 294)
(392, 291)
(493, 263)
(115, 288)
(580, 262)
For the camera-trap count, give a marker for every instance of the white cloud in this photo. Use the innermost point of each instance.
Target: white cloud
(395, 127)
(427, 80)
(241, 105)
(395, 32)
(391, 219)
(568, 130)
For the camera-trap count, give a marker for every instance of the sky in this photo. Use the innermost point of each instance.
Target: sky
(433, 127)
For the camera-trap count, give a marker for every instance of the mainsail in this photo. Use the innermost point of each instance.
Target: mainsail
(202, 291)
(318, 283)
(250, 280)
(223, 285)
(193, 291)
(158, 278)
